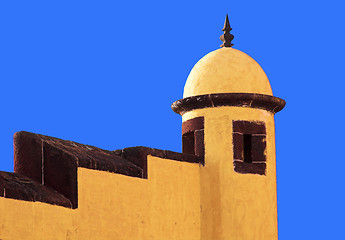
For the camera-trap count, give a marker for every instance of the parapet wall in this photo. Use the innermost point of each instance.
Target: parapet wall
(46, 167)
(133, 193)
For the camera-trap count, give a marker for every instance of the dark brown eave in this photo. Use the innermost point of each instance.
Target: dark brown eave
(251, 100)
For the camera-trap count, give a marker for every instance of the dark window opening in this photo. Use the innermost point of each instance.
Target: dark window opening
(188, 143)
(247, 148)
(193, 137)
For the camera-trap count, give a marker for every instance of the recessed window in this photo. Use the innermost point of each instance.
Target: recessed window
(188, 143)
(247, 148)
(193, 137)
(249, 145)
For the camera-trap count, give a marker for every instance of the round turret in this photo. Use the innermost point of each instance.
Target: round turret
(227, 114)
(227, 77)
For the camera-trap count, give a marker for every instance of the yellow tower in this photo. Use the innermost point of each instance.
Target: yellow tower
(222, 187)
(228, 118)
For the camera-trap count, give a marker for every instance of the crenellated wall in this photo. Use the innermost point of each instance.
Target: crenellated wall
(163, 202)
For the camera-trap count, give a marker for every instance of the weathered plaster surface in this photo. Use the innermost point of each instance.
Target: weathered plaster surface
(226, 70)
(235, 206)
(114, 206)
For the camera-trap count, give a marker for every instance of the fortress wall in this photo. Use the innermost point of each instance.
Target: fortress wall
(162, 203)
(164, 206)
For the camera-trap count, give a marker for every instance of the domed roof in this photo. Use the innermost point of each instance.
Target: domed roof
(226, 70)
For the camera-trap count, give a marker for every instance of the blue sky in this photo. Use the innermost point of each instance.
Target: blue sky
(105, 73)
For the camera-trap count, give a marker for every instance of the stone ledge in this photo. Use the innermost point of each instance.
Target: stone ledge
(249, 100)
(15, 186)
(138, 156)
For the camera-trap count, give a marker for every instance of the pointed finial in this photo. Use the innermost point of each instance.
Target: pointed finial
(227, 37)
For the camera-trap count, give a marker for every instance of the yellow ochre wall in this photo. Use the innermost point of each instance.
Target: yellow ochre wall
(114, 206)
(179, 200)
(235, 206)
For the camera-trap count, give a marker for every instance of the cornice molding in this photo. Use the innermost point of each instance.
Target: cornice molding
(251, 100)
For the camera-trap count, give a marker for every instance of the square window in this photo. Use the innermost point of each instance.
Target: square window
(249, 147)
